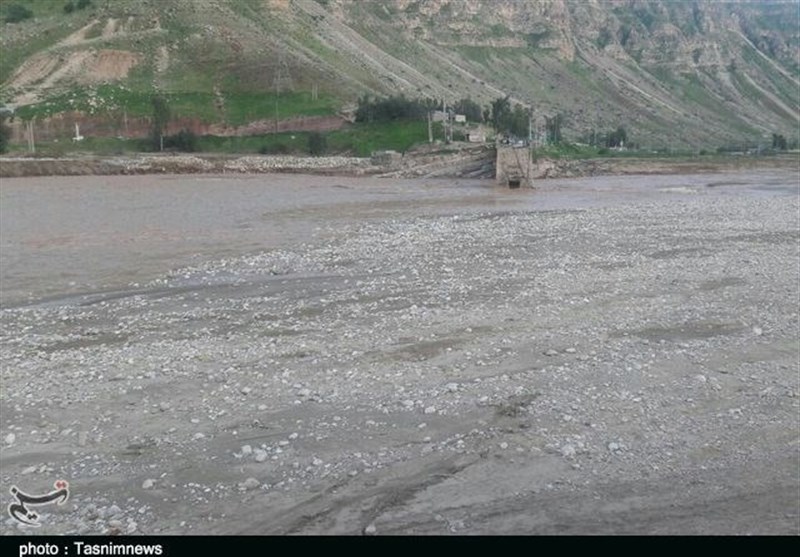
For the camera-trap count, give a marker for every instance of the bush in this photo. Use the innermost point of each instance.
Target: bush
(185, 140)
(470, 109)
(69, 7)
(276, 149)
(389, 109)
(83, 4)
(5, 136)
(16, 13)
(317, 144)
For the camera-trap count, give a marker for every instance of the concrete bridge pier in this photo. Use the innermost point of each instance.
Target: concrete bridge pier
(514, 166)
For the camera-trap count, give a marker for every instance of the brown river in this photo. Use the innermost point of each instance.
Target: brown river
(61, 236)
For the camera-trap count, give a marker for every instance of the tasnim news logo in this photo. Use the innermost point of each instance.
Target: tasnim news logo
(20, 512)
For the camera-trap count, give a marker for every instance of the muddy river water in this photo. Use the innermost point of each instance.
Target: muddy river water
(67, 235)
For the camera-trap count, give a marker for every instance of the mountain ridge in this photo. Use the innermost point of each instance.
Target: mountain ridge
(694, 73)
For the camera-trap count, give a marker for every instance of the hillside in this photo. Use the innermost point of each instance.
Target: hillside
(699, 73)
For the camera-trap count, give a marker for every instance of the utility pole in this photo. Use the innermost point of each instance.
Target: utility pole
(31, 140)
(279, 79)
(530, 127)
(430, 127)
(444, 122)
(277, 91)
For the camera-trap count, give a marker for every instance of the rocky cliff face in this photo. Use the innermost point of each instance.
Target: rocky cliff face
(677, 71)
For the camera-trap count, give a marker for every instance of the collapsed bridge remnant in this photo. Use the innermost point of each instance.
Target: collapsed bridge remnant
(514, 166)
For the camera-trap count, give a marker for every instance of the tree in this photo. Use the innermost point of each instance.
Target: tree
(185, 140)
(317, 144)
(553, 126)
(617, 138)
(390, 109)
(5, 135)
(160, 121)
(778, 142)
(468, 108)
(518, 123)
(16, 13)
(501, 114)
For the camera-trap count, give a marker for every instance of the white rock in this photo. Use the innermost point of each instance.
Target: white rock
(452, 387)
(758, 331)
(260, 455)
(568, 451)
(614, 447)
(197, 436)
(247, 449)
(317, 462)
(370, 530)
(293, 436)
(570, 350)
(551, 352)
(250, 483)
(10, 438)
(148, 483)
(430, 410)
(246, 390)
(504, 445)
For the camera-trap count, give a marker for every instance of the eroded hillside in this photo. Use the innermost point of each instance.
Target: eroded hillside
(674, 73)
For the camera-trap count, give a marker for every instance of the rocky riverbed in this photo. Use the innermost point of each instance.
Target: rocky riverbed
(585, 358)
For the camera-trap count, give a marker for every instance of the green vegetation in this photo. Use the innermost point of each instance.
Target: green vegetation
(363, 139)
(391, 109)
(617, 138)
(15, 13)
(71, 6)
(470, 109)
(317, 144)
(5, 135)
(535, 40)
(779, 142)
(160, 120)
(359, 140)
(506, 120)
(239, 107)
(553, 126)
(185, 140)
(243, 107)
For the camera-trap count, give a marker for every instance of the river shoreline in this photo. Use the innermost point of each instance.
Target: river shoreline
(412, 165)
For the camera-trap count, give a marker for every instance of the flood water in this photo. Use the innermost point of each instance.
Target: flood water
(62, 236)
